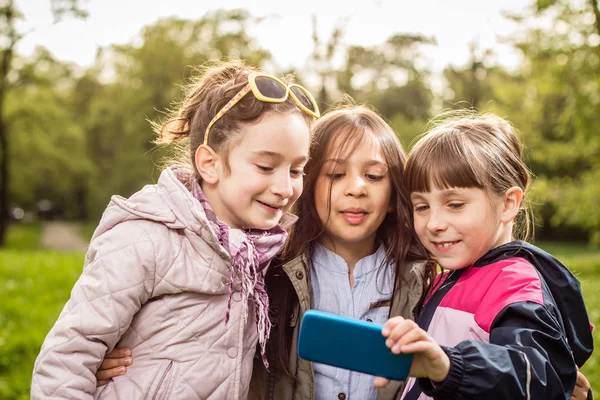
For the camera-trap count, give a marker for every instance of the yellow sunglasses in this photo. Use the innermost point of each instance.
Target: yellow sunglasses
(269, 89)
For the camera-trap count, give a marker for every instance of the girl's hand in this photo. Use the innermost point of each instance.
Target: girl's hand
(582, 387)
(114, 364)
(429, 360)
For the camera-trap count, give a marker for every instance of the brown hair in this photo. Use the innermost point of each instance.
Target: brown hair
(348, 126)
(204, 96)
(468, 150)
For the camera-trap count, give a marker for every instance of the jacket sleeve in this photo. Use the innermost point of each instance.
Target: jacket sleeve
(527, 358)
(117, 279)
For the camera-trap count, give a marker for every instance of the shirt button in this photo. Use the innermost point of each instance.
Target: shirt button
(231, 352)
(342, 396)
(299, 274)
(237, 296)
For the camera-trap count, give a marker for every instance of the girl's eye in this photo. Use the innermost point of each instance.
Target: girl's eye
(421, 208)
(335, 176)
(373, 177)
(264, 168)
(296, 173)
(456, 206)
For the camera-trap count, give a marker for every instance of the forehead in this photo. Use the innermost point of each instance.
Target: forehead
(281, 133)
(355, 146)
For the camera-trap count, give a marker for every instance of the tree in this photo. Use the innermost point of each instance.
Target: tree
(387, 77)
(48, 157)
(9, 14)
(322, 59)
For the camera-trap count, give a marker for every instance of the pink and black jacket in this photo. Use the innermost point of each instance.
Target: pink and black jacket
(514, 327)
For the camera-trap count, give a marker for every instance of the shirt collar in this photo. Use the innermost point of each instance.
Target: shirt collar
(326, 258)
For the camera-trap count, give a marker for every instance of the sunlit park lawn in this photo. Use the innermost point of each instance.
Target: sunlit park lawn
(35, 283)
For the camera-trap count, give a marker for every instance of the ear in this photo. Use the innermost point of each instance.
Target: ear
(511, 203)
(208, 164)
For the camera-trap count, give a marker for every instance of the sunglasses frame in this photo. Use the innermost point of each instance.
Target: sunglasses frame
(251, 87)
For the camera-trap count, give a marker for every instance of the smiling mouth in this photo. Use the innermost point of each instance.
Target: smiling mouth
(444, 246)
(269, 207)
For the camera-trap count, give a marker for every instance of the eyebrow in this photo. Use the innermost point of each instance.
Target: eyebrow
(265, 153)
(343, 161)
(444, 193)
(450, 192)
(278, 156)
(416, 196)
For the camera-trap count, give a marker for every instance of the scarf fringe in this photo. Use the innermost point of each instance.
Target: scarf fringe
(252, 287)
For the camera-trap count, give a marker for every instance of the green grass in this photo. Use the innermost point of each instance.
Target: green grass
(24, 236)
(580, 258)
(35, 285)
(87, 229)
(590, 286)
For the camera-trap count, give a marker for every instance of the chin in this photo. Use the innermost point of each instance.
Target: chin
(264, 225)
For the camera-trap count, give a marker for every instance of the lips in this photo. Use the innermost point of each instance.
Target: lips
(354, 216)
(274, 209)
(444, 246)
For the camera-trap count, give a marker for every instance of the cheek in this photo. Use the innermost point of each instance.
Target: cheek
(419, 223)
(322, 200)
(297, 188)
(385, 199)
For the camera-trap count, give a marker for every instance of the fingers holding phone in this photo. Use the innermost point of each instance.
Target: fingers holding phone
(405, 336)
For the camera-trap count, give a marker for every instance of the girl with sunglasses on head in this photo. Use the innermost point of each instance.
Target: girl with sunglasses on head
(175, 272)
(506, 320)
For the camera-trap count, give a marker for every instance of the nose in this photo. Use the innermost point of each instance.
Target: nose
(436, 222)
(356, 187)
(282, 185)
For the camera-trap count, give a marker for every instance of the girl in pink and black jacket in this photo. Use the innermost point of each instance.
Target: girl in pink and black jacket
(506, 320)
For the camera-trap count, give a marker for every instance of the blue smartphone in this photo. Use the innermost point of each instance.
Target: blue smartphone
(351, 344)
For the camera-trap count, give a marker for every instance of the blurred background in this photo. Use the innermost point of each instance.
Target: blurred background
(79, 81)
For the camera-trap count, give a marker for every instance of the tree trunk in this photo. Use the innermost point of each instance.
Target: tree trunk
(3, 177)
(4, 164)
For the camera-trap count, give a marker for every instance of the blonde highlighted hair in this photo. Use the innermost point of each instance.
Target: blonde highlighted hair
(215, 84)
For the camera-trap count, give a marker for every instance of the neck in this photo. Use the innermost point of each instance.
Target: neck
(350, 252)
(504, 235)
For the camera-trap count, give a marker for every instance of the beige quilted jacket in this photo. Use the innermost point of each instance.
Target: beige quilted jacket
(155, 280)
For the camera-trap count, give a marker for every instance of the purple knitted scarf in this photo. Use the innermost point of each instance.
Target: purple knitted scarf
(250, 255)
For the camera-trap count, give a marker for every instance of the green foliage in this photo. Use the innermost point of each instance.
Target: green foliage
(24, 236)
(80, 136)
(48, 155)
(386, 76)
(583, 260)
(553, 100)
(35, 286)
(87, 228)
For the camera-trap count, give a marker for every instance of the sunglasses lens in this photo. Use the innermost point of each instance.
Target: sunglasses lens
(303, 98)
(270, 88)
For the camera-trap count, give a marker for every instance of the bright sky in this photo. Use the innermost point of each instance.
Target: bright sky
(287, 33)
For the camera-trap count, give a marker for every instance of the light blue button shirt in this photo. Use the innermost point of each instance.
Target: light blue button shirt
(373, 282)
